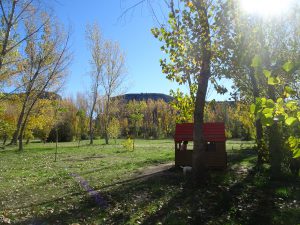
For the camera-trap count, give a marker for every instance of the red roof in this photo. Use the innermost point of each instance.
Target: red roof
(214, 132)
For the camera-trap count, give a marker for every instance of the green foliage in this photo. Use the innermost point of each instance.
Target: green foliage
(285, 110)
(65, 132)
(294, 144)
(135, 110)
(186, 48)
(81, 124)
(8, 117)
(128, 144)
(184, 105)
(256, 61)
(288, 66)
(114, 129)
(273, 80)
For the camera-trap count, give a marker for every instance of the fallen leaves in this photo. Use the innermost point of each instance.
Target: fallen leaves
(4, 220)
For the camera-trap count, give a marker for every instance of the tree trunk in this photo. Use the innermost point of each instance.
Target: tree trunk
(20, 142)
(78, 143)
(106, 136)
(198, 162)
(56, 142)
(274, 143)
(199, 143)
(275, 151)
(259, 142)
(19, 124)
(5, 139)
(16, 134)
(91, 126)
(21, 134)
(107, 119)
(23, 126)
(258, 124)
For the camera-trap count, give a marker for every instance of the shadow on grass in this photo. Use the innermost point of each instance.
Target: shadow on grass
(232, 197)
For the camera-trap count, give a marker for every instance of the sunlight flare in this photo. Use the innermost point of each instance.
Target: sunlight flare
(266, 8)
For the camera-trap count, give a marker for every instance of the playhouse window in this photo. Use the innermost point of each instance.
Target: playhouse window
(211, 146)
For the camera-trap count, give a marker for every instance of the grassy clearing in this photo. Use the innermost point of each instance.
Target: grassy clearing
(36, 190)
(31, 183)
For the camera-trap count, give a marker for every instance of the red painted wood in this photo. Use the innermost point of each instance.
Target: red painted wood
(213, 132)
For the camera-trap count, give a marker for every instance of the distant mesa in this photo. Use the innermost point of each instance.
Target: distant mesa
(146, 96)
(44, 95)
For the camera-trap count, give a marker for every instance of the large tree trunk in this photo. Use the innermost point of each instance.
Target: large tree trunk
(275, 150)
(23, 125)
(199, 143)
(26, 100)
(274, 143)
(259, 142)
(22, 130)
(205, 73)
(21, 141)
(19, 123)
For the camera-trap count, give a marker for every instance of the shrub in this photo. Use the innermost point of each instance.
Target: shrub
(65, 133)
(128, 144)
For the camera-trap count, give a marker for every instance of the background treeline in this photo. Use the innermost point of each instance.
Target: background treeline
(149, 119)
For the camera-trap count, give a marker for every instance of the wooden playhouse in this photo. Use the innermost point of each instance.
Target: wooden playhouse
(215, 149)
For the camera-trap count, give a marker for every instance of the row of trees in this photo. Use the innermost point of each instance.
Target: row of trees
(150, 119)
(34, 58)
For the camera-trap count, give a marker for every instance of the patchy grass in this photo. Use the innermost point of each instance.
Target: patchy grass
(98, 185)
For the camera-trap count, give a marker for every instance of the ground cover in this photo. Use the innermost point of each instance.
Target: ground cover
(106, 184)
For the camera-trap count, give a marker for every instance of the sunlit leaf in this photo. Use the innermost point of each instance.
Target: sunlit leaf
(289, 90)
(292, 105)
(273, 80)
(256, 61)
(267, 120)
(270, 103)
(279, 100)
(252, 108)
(290, 121)
(268, 111)
(267, 73)
(288, 66)
(296, 153)
(263, 101)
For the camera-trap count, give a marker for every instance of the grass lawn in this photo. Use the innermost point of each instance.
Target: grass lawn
(99, 185)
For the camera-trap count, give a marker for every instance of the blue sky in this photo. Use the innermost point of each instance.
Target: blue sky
(133, 34)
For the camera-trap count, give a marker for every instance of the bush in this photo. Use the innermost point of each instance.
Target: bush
(85, 136)
(128, 144)
(65, 133)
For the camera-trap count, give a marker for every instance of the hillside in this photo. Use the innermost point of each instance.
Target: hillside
(45, 95)
(146, 96)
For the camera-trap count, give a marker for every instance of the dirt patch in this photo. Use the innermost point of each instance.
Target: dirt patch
(154, 170)
(84, 159)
